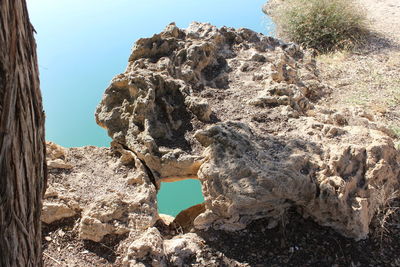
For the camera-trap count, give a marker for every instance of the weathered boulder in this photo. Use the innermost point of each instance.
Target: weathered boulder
(118, 214)
(182, 248)
(56, 157)
(331, 176)
(164, 96)
(239, 111)
(53, 211)
(148, 248)
(109, 188)
(57, 204)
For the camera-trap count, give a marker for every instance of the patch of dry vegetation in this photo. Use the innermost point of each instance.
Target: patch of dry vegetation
(324, 25)
(370, 81)
(382, 224)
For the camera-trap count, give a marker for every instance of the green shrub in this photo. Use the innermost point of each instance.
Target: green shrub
(324, 25)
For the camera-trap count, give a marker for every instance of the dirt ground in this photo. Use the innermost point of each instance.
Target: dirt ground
(370, 76)
(384, 16)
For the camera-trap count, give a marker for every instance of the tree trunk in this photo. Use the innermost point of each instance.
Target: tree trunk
(22, 147)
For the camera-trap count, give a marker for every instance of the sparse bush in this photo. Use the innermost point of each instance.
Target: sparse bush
(324, 25)
(389, 206)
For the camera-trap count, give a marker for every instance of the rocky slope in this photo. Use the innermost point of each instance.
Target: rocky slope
(236, 110)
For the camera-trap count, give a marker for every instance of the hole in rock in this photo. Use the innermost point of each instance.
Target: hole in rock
(175, 197)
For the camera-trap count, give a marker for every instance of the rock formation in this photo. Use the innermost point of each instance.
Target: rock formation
(56, 156)
(239, 111)
(109, 191)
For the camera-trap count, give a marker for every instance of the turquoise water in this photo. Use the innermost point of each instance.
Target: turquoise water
(83, 44)
(177, 196)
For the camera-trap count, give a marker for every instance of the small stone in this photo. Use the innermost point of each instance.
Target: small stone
(61, 233)
(58, 164)
(54, 211)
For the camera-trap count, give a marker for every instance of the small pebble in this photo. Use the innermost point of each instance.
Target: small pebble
(61, 233)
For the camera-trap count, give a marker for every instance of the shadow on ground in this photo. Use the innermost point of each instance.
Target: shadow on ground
(301, 242)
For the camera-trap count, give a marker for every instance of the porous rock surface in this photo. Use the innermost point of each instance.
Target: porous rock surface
(177, 81)
(238, 110)
(56, 156)
(108, 188)
(107, 193)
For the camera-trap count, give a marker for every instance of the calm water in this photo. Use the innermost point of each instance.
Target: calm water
(83, 44)
(177, 196)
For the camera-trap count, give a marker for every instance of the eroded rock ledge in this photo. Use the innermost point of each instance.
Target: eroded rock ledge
(180, 81)
(238, 111)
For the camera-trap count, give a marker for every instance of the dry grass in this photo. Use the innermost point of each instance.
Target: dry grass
(389, 200)
(324, 25)
(370, 81)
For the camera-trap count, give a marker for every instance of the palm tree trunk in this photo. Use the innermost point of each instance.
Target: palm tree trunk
(22, 147)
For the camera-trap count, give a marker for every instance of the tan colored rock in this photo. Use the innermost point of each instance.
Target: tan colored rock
(58, 164)
(199, 107)
(56, 157)
(51, 192)
(167, 219)
(119, 214)
(335, 179)
(237, 110)
(54, 151)
(52, 212)
(183, 247)
(183, 222)
(93, 229)
(148, 247)
(154, 108)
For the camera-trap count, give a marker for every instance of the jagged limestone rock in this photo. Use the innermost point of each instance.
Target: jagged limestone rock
(109, 188)
(155, 107)
(122, 212)
(118, 214)
(239, 111)
(56, 157)
(53, 211)
(146, 248)
(181, 248)
(331, 176)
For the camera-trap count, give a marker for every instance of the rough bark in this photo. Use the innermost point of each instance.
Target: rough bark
(22, 149)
